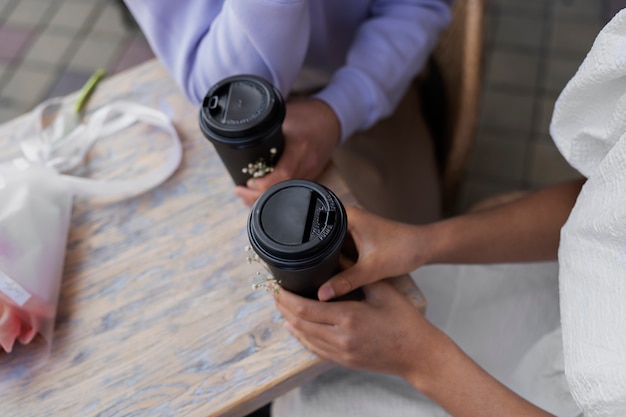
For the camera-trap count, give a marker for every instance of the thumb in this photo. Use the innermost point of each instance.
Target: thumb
(263, 183)
(345, 282)
(247, 195)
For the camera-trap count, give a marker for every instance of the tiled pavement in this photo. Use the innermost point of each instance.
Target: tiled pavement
(51, 47)
(532, 47)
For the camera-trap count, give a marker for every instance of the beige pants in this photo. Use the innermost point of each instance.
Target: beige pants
(391, 168)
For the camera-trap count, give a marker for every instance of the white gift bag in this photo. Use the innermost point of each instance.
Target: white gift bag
(36, 197)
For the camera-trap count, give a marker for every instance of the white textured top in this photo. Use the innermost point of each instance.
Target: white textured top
(589, 127)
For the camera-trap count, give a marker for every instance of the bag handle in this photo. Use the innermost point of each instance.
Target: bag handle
(63, 152)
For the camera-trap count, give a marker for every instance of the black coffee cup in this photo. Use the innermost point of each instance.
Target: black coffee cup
(297, 227)
(242, 117)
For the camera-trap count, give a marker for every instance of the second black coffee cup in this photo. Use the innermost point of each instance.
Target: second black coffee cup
(297, 227)
(242, 117)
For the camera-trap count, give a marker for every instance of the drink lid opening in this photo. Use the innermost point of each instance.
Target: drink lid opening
(242, 105)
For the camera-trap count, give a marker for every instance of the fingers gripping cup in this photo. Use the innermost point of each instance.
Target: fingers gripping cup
(242, 117)
(297, 227)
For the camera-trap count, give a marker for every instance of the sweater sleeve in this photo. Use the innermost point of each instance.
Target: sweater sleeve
(208, 40)
(388, 51)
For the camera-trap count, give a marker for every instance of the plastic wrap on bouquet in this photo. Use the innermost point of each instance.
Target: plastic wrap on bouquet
(36, 196)
(34, 219)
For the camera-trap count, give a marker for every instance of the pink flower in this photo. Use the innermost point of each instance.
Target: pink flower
(15, 325)
(10, 327)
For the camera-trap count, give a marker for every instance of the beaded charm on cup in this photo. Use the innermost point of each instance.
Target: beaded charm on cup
(262, 279)
(261, 168)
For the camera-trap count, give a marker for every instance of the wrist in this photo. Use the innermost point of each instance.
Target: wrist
(436, 370)
(330, 120)
(435, 242)
(454, 381)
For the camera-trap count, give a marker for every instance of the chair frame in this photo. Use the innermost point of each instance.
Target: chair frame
(451, 94)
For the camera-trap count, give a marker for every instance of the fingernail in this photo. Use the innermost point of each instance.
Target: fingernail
(251, 183)
(288, 327)
(326, 292)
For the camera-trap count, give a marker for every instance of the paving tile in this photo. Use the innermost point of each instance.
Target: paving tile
(136, 52)
(558, 73)
(491, 7)
(547, 166)
(544, 137)
(49, 48)
(490, 28)
(110, 21)
(507, 68)
(578, 9)
(563, 39)
(533, 8)
(473, 191)
(3, 70)
(612, 7)
(501, 110)
(68, 82)
(498, 156)
(29, 12)
(94, 54)
(127, 17)
(8, 112)
(72, 15)
(545, 108)
(27, 86)
(14, 41)
(6, 6)
(488, 51)
(520, 31)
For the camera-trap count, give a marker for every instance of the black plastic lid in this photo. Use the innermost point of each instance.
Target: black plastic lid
(242, 105)
(296, 220)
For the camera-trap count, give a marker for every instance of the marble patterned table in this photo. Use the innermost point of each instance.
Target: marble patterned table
(157, 315)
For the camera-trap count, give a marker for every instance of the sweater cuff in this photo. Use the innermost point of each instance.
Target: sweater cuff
(350, 96)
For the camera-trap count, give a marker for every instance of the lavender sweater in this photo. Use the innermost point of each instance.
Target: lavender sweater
(368, 51)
